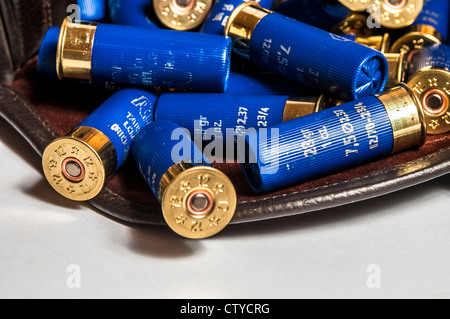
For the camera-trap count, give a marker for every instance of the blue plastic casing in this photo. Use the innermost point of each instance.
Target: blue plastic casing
(131, 12)
(436, 55)
(159, 146)
(213, 114)
(221, 11)
(435, 13)
(47, 54)
(92, 10)
(315, 58)
(162, 58)
(263, 83)
(319, 13)
(318, 144)
(121, 117)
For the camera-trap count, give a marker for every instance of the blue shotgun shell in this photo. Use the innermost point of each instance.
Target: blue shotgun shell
(92, 10)
(221, 11)
(430, 27)
(121, 117)
(315, 58)
(78, 164)
(435, 13)
(233, 115)
(143, 57)
(153, 152)
(429, 79)
(197, 199)
(336, 138)
(131, 12)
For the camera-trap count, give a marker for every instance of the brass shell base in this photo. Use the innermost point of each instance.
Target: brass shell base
(178, 18)
(438, 80)
(393, 17)
(92, 151)
(356, 5)
(183, 184)
(416, 39)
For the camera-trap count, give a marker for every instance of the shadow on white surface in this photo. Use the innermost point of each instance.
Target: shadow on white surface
(160, 241)
(382, 206)
(42, 191)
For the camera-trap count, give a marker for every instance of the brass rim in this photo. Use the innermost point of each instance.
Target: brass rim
(416, 40)
(180, 18)
(396, 17)
(66, 148)
(433, 80)
(244, 19)
(199, 179)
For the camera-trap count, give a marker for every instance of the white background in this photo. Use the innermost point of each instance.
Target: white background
(51, 247)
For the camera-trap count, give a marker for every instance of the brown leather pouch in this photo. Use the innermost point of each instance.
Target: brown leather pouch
(42, 111)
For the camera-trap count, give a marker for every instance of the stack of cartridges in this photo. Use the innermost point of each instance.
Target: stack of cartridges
(292, 90)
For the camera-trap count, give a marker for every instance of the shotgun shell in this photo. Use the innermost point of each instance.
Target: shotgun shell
(197, 200)
(430, 81)
(395, 14)
(429, 28)
(78, 164)
(218, 114)
(143, 57)
(315, 58)
(334, 139)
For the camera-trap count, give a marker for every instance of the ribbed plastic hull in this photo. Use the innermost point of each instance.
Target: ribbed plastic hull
(436, 14)
(318, 59)
(92, 10)
(318, 144)
(212, 113)
(121, 117)
(436, 55)
(160, 58)
(159, 146)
